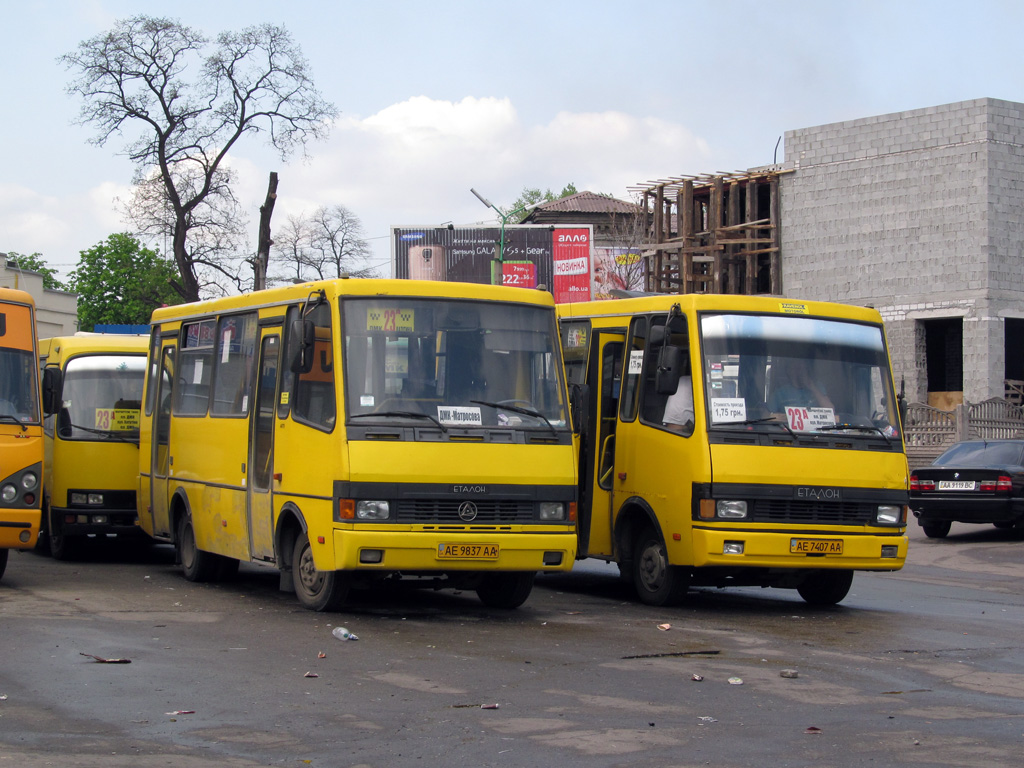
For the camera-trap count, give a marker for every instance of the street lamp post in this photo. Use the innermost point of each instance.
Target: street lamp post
(504, 218)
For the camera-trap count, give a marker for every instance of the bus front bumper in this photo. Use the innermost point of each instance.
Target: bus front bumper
(439, 551)
(19, 528)
(793, 550)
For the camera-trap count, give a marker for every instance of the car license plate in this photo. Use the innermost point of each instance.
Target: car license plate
(816, 546)
(467, 551)
(956, 485)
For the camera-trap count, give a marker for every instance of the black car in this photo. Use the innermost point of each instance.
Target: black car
(974, 481)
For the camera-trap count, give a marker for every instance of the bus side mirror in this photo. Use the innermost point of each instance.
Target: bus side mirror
(53, 386)
(670, 368)
(302, 341)
(579, 406)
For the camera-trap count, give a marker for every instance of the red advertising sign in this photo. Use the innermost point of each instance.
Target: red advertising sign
(519, 274)
(570, 251)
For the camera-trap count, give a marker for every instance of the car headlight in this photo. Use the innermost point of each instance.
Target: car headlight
(372, 510)
(731, 509)
(552, 510)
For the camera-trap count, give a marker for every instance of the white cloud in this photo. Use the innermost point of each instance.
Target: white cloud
(414, 162)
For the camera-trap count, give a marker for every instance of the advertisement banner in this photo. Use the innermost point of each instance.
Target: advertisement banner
(471, 255)
(570, 252)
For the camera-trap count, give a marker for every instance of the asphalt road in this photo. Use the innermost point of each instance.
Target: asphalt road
(923, 667)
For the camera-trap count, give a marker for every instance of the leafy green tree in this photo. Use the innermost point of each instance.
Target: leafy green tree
(530, 197)
(35, 263)
(120, 282)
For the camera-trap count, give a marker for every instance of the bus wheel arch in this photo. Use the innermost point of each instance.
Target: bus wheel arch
(196, 564)
(290, 525)
(643, 557)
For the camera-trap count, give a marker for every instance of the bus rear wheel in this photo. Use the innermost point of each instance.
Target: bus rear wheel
(655, 580)
(317, 590)
(196, 564)
(505, 590)
(825, 587)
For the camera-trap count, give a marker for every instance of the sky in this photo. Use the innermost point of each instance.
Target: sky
(438, 97)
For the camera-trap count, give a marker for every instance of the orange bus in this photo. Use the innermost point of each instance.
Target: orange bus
(21, 428)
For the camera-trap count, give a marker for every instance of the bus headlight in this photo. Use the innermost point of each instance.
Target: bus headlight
(9, 493)
(372, 510)
(888, 514)
(552, 510)
(29, 481)
(731, 510)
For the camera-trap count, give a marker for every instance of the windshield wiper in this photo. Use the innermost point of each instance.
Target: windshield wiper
(403, 414)
(113, 434)
(14, 419)
(862, 427)
(765, 420)
(518, 409)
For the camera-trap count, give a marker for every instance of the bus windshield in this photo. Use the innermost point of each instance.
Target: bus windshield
(455, 363)
(18, 398)
(805, 374)
(102, 395)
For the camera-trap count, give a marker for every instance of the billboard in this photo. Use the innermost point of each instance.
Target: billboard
(558, 258)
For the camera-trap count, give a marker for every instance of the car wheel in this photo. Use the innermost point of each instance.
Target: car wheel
(938, 530)
(825, 587)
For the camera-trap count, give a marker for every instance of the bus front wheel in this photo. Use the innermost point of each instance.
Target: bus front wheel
(655, 580)
(317, 590)
(3, 561)
(825, 587)
(505, 590)
(61, 547)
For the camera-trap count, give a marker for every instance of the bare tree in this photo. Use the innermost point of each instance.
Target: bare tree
(292, 245)
(338, 245)
(182, 102)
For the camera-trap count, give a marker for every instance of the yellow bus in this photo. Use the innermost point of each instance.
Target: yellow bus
(352, 431)
(736, 440)
(92, 399)
(21, 429)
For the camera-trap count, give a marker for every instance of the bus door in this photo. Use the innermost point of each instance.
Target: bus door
(261, 450)
(161, 461)
(604, 377)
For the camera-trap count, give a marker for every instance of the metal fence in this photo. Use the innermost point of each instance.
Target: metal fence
(929, 431)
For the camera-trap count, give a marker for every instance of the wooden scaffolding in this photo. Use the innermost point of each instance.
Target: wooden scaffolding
(715, 233)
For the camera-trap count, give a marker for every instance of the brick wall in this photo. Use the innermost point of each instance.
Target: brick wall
(919, 214)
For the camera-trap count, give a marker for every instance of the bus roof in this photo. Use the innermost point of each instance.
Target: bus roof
(702, 302)
(90, 343)
(15, 296)
(334, 289)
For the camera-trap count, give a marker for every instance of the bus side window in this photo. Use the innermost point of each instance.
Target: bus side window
(632, 369)
(313, 399)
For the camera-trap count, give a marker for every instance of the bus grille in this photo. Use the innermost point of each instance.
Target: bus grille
(447, 511)
(793, 511)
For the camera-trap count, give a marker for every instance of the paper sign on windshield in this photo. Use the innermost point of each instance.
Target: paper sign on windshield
(636, 362)
(724, 409)
(809, 419)
(459, 416)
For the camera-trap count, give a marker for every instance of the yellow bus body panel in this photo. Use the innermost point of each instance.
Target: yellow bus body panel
(21, 445)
